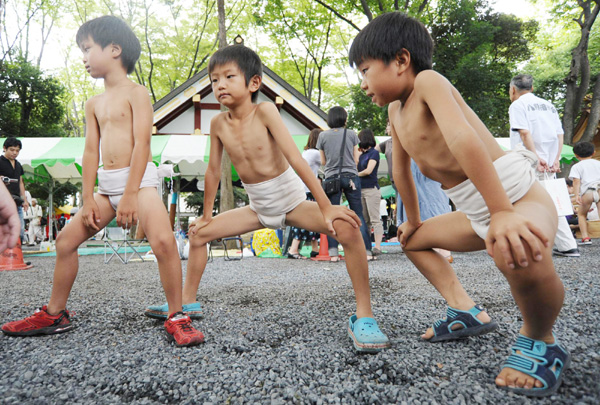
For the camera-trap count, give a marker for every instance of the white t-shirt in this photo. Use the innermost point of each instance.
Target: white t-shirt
(383, 208)
(540, 118)
(588, 172)
(313, 158)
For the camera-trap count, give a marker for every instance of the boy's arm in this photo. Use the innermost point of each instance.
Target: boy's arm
(270, 117)
(405, 185)
(507, 227)
(142, 113)
(212, 176)
(91, 156)
(577, 190)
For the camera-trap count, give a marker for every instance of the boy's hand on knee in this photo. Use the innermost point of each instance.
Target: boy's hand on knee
(334, 212)
(90, 215)
(508, 230)
(405, 231)
(198, 224)
(127, 212)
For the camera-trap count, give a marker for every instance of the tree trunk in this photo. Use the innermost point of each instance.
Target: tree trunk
(580, 69)
(227, 202)
(594, 117)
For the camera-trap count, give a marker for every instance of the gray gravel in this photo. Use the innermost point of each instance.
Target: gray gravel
(276, 333)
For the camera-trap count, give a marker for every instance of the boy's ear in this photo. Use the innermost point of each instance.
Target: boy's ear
(115, 50)
(402, 60)
(254, 83)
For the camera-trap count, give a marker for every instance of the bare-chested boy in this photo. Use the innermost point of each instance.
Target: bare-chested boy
(122, 118)
(498, 198)
(265, 156)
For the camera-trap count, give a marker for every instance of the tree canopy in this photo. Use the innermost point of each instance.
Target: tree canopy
(306, 42)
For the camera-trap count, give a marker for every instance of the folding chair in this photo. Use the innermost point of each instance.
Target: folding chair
(239, 244)
(117, 238)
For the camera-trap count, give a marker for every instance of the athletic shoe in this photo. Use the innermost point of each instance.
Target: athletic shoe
(566, 253)
(40, 323)
(180, 330)
(194, 310)
(586, 241)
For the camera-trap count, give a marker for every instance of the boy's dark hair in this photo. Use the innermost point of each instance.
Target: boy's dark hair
(584, 149)
(386, 36)
(313, 137)
(366, 139)
(569, 182)
(337, 117)
(108, 30)
(522, 82)
(245, 58)
(12, 141)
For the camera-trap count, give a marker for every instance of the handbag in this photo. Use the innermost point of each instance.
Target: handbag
(557, 188)
(333, 185)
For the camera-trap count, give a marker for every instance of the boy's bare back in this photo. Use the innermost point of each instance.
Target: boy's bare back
(112, 111)
(421, 136)
(249, 143)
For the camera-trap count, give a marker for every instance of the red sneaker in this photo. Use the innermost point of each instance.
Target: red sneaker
(40, 323)
(179, 329)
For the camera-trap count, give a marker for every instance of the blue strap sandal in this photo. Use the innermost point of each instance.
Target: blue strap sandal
(544, 362)
(470, 325)
(194, 311)
(366, 335)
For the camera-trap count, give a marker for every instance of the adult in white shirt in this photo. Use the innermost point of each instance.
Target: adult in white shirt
(34, 214)
(534, 123)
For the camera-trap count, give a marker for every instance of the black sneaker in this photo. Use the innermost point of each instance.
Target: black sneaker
(566, 253)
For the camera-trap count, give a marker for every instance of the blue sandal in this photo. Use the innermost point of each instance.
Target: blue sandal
(471, 326)
(366, 335)
(538, 359)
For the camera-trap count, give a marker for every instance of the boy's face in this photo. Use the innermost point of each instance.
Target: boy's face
(11, 152)
(229, 84)
(380, 81)
(95, 58)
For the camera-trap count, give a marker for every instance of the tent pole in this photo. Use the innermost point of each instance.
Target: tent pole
(178, 203)
(51, 212)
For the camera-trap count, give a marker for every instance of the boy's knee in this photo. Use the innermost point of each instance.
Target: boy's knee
(162, 245)
(345, 233)
(198, 240)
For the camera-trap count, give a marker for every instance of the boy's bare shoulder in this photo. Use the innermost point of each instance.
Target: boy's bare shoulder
(138, 91)
(430, 80)
(266, 109)
(91, 102)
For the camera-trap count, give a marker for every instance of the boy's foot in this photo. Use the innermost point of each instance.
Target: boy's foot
(586, 241)
(534, 368)
(180, 330)
(376, 251)
(366, 335)
(40, 323)
(460, 324)
(194, 310)
(566, 253)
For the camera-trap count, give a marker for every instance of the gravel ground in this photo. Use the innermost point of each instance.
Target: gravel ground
(276, 333)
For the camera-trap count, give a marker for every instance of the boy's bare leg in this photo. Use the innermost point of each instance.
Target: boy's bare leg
(154, 220)
(452, 232)
(231, 223)
(67, 262)
(307, 215)
(586, 203)
(537, 289)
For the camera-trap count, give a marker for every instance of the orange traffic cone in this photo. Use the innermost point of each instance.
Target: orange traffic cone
(323, 250)
(12, 259)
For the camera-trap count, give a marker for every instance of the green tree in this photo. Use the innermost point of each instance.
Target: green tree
(31, 104)
(365, 114)
(478, 51)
